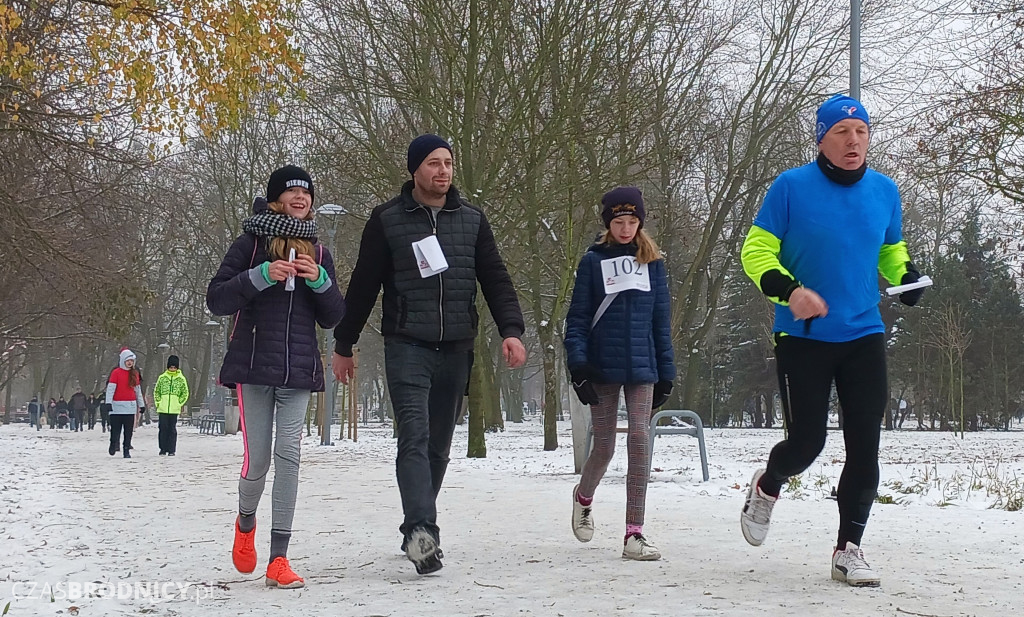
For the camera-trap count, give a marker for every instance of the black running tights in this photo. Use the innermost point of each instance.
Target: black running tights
(806, 370)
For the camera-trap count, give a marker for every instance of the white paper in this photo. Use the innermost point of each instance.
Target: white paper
(924, 281)
(429, 256)
(289, 284)
(624, 273)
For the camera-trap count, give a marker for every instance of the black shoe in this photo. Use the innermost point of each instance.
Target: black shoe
(162, 453)
(127, 454)
(422, 550)
(112, 450)
(429, 565)
(170, 454)
(405, 543)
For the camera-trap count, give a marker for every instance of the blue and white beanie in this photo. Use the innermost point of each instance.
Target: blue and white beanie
(837, 108)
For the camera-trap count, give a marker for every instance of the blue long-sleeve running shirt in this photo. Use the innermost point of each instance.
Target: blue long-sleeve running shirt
(833, 239)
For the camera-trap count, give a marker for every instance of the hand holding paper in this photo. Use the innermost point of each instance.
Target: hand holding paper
(911, 289)
(289, 284)
(924, 281)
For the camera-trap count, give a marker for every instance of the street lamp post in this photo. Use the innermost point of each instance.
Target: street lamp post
(855, 49)
(333, 211)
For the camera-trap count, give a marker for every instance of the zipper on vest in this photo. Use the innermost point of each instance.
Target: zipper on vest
(440, 281)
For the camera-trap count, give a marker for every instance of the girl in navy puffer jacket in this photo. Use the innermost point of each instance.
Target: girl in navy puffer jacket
(273, 358)
(617, 337)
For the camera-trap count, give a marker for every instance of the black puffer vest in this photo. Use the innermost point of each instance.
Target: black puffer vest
(441, 307)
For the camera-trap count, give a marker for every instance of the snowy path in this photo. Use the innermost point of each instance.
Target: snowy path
(79, 516)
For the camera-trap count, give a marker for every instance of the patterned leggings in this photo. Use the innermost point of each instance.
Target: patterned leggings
(604, 415)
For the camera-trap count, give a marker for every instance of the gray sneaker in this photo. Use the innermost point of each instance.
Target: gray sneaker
(757, 512)
(638, 548)
(582, 519)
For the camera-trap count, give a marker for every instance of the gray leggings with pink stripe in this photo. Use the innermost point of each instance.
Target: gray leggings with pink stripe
(261, 407)
(639, 398)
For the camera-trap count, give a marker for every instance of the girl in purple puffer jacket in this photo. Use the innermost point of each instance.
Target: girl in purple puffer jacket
(279, 282)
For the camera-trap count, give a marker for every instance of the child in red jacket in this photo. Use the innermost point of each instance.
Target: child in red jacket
(124, 400)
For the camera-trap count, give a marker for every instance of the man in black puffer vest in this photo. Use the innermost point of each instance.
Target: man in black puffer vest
(429, 324)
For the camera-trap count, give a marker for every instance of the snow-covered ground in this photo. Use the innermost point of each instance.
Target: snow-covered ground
(73, 519)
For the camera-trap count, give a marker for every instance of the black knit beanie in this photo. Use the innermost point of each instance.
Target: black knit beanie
(173, 362)
(285, 178)
(421, 147)
(623, 201)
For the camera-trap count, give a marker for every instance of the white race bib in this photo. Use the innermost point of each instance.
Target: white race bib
(624, 273)
(429, 256)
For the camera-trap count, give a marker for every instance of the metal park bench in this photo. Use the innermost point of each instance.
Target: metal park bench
(696, 429)
(211, 424)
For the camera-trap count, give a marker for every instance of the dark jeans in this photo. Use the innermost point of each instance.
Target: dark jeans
(92, 419)
(168, 437)
(426, 385)
(117, 422)
(806, 370)
(104, 420)
(78, 418)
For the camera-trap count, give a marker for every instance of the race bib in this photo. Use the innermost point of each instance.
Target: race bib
(429, 256)
(624, 273)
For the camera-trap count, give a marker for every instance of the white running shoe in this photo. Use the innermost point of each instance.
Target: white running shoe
(637, 547)
(850, 567)
(757, 512)
(582, 520)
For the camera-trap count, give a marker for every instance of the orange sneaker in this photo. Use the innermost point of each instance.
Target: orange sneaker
(243, 553)
(280, 574)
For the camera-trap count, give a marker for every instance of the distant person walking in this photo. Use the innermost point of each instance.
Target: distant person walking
(170, 394)
(78, 404)
(35, 413)
(100, 400)
(92, 407)
(124, 393)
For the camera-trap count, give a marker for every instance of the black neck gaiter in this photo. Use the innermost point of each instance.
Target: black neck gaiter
(846, 177)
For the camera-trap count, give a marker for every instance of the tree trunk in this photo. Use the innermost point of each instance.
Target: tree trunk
(493, 420)
(7, 393)
(479, 398)
(552, 387)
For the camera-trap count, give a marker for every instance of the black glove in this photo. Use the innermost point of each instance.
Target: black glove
(583, 386)
(662, 390)
(910, 298)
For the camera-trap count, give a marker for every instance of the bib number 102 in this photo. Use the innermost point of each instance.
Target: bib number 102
(627, 265)
(623, 273)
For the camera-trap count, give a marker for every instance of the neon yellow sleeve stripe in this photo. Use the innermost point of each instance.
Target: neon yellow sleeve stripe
(760, 254)
(892, 261)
